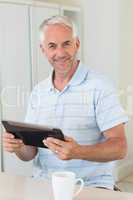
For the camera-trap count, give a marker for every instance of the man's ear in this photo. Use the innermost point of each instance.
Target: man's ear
(42, 48)
(77, 43)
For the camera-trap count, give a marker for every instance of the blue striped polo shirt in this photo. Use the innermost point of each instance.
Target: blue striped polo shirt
(83, 110)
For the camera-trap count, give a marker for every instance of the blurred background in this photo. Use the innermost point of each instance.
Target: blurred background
(106, 33)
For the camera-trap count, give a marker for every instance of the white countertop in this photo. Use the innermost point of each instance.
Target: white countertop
(23, 188)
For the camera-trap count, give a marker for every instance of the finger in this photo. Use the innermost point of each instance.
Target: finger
(53, 147)
(12, 141)
(55, 141)
(45, 143)
(15, 145)
(8, 135)
(68, 139)
(11, 148)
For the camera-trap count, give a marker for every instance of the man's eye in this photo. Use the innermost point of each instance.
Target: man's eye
(52, 47)
(67, 44)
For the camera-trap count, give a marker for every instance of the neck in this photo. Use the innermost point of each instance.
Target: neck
(60, 80)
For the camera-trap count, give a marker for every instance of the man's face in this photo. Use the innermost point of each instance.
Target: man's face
(60, 47)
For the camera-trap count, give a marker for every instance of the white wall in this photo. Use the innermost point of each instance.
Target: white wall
(108, 46)
(101, 31)
(126, 73)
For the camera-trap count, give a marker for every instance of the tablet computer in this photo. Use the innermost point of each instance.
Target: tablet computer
(32, 134)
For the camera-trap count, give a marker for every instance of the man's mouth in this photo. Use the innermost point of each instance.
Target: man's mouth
(62, 60)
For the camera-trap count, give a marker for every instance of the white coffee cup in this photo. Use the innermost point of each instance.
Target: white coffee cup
(63, 184)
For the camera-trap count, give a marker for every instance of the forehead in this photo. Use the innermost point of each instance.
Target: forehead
(57, 32)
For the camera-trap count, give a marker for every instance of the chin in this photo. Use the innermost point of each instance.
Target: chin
(62, 66)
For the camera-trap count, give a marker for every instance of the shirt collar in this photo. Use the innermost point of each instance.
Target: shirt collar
(78, 77)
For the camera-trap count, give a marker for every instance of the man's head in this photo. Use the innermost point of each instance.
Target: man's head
(59, 42)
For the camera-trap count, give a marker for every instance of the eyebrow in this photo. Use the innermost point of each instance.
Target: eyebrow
(68, 41)
(51, 43)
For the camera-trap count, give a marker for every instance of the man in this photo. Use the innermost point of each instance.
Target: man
(83, 104)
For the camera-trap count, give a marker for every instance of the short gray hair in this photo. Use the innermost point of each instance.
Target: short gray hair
(61, 20)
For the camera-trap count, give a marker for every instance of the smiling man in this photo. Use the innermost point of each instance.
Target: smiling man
(83, 104)
(60, 47)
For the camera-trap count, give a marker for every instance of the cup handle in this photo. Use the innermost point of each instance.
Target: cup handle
(81, 186)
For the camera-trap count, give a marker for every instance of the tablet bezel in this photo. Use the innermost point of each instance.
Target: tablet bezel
(32, 134)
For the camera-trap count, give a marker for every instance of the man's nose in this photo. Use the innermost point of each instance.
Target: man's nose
(60, 51)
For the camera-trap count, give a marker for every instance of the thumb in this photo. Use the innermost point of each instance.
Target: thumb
(68, 139)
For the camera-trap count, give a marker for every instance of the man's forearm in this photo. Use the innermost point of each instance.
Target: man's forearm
(26, 153)
(112, 149)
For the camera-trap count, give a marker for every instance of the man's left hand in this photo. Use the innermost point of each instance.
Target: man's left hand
(65, 150)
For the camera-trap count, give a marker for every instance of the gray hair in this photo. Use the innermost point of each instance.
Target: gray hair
(61, 20)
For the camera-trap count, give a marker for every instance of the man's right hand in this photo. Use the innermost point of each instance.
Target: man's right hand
(11, 144)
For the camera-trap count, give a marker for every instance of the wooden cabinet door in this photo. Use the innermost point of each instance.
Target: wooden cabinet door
(15, 71)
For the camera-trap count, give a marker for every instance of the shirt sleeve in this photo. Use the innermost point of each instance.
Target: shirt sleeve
(109, 112)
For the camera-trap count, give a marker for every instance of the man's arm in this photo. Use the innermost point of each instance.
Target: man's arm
(17, 146)
(113, 148)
